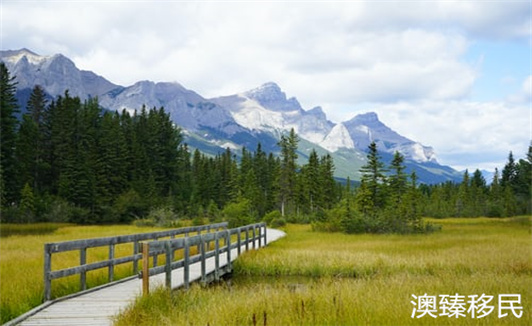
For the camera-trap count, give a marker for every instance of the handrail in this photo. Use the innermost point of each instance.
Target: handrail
(83, 245)
(202, 241)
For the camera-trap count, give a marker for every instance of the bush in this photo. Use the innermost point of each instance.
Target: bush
(128, 206)
(238, 213)
(163, 217)
(268, 218)
(278, 222)
(63, 211)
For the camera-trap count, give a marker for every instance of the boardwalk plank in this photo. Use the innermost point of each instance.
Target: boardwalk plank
(99, 307)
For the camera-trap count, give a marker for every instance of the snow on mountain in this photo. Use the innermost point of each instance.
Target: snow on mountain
(338, 138)
(55, 73)
(187, 108)
(366, 128)
(267, 108)
(260, 115)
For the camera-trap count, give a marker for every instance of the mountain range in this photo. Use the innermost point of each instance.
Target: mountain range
(261, 114)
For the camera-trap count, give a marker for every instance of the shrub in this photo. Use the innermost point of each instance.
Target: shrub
(238, 213)
(278, 222)
(128, 206)
(268, 218)
(163, 216)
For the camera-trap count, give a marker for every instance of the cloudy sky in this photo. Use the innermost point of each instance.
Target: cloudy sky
(455, 75)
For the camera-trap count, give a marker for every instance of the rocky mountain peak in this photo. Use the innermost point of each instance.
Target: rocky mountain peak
(272, 97)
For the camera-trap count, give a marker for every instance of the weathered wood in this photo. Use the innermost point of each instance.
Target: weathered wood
(247, 238)
(47, 268)
(228, 246)
(168, 264)
(100, 242)
(98, 305)
(203, 261)
(146, 268)
(83, 245)
(135, 259)
(83, 274)
(216, 257)
(111, 262)
(254, 237)
(239, 241)
(186, 268)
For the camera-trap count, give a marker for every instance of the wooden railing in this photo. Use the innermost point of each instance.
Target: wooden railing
(253, 234)
(111, 262)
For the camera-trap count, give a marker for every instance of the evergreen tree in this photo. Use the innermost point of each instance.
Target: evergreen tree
(9, 190)
(397, 180)
(373, 183)
(328, 196)
(509, 173)
(287, 180)
(311, 182)
(27, 152)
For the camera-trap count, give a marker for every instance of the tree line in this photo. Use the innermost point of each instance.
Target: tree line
(508, 194)
(68, 160)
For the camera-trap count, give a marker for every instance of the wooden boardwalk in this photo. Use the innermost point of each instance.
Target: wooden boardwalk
(98, 307)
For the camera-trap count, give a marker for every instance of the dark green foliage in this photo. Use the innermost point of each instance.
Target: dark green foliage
(9, 185)
(508, 195)
(287, 175)
(70, 161)
(384, 203)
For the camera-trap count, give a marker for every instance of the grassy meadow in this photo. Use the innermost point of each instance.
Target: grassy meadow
(314, 278)
(22, 259)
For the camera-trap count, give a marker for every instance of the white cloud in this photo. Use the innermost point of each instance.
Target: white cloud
(465, 134)
(403, 59)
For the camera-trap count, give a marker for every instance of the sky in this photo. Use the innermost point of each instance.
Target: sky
(454, 75)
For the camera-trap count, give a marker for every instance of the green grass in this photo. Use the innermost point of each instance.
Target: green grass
(22, 259)
(8, 229)
(313, 278)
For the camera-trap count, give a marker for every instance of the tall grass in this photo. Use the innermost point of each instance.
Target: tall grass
(312, 278)
(8, 229)
(22, 259)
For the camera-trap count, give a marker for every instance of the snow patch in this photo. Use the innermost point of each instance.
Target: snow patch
(337, 138)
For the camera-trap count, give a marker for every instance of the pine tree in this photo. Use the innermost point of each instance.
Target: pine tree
(509, 173)
(287, 180)
(374, 181)
(311, 182)
(9, 191)
(397, 180)
(328, 195)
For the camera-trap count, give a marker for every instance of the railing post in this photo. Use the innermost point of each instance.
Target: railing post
(83, 275)
(254, 237)
(203, 261)
(265, 233)
(247, 238)
(111, 264)
(238, 241)
(168, 264)
(155, 254)
(199, 234)
(260, 236)
(47, 270)
(208, 242)
(216, 256)
(228, 246)
(145, 268)
(135, 259)
(186, 267)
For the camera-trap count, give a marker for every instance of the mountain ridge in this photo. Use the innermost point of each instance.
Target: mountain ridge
(261, 114)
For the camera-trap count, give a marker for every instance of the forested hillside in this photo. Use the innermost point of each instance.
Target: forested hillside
(69, 160)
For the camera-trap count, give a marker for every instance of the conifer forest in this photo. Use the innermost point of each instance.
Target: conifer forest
(68, 160)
